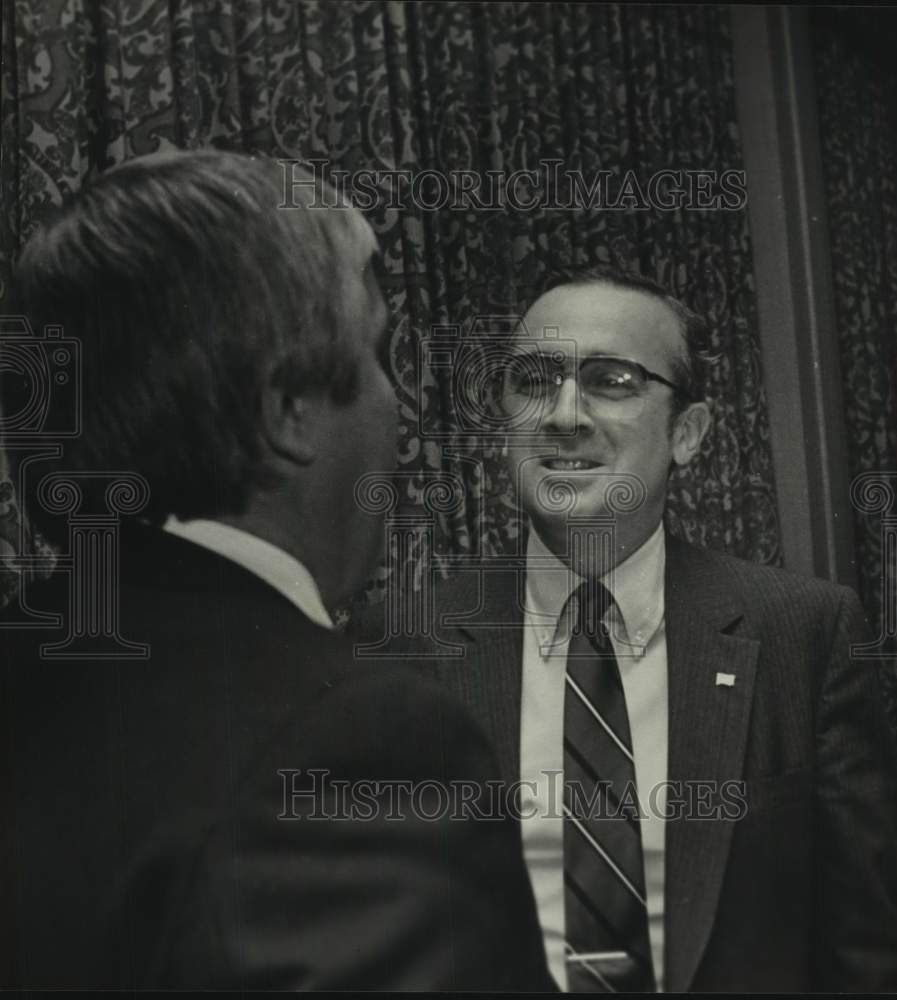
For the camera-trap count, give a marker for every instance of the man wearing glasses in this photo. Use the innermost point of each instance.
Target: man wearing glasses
(707, 791)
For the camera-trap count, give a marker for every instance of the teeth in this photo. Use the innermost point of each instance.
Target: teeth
(569, 465)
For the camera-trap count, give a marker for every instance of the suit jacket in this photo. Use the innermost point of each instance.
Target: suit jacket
(799, 894)
(141, 844)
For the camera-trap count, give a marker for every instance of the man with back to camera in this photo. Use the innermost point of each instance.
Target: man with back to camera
(728, 815)
(159, 814)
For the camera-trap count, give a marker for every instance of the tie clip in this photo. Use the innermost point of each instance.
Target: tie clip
(598, 956)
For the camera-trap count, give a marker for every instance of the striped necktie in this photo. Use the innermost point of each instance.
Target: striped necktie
(607, 944)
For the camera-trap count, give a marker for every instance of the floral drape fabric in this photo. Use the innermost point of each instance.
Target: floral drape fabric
(421, 92)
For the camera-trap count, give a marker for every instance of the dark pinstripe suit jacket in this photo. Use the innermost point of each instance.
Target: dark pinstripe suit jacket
(800, 893)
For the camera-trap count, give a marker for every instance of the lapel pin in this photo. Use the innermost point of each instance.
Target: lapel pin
(725, 680)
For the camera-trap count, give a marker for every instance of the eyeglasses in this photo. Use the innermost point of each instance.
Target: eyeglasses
(531, 380)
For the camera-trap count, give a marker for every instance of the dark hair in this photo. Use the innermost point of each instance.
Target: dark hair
(693, 327)
(189, 290)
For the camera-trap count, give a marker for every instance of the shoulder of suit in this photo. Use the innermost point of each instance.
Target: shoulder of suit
(387, 718)
(757, 585)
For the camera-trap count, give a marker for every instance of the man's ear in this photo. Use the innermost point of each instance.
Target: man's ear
(288, 425)
(689, 431)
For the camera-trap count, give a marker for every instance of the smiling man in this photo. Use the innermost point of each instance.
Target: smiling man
(611, 407)
(708, 798)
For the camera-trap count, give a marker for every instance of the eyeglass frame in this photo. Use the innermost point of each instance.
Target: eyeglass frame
(646, 373)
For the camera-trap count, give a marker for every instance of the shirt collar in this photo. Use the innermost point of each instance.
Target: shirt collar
(268, 562)
(636, 585)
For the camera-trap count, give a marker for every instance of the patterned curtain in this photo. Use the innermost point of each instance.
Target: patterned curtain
(857, 94)
(438, 90)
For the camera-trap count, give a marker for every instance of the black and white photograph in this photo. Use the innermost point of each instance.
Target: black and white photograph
(448, 497)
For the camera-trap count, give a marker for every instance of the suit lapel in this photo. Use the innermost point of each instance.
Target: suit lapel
(487, 615)
(708, 725)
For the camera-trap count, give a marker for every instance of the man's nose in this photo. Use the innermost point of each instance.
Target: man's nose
(566, 413)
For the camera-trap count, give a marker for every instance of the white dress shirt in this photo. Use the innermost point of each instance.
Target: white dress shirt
(636, 625)
(266, 561)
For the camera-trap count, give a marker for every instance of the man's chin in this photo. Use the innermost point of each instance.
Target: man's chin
(555, 499)
(581, 493)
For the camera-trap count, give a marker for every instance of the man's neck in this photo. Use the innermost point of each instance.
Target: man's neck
(594, 552)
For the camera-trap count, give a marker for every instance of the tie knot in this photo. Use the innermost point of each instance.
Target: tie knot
(593, 600)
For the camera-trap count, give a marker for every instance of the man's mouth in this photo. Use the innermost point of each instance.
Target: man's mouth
(570, 464)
